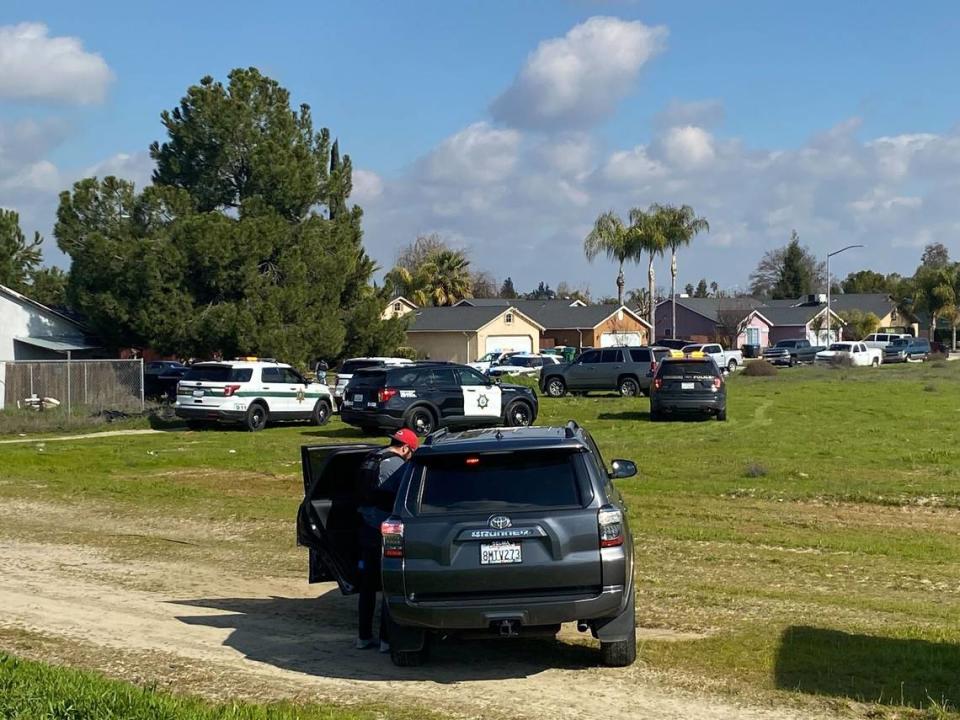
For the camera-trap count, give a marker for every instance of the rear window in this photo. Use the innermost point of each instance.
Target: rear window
(368, 378)
(218, 373)
(639, 354)
(687, 368)
(518, 481)
(351, 366)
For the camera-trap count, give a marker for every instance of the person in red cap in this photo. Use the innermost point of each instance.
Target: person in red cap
(380, 475)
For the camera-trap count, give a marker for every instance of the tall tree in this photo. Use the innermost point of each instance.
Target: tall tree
(936, 292)
(507, 290)
(680, 225)
(715, 288)
(19, 258)
(49, 286)
(483, 284)
(415, 254)
(611, 237)
(868, 281)
(773, 277)
(689, 289)
(647, 227)
(543, 292)
(701, 291)
(448, 274)
(935, 255)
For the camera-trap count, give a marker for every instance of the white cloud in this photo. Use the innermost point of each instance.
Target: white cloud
(686, 147)
(35, 66)
(367, 185)
(136, 167)
(575, 81)
(701, 113)
(477, 154)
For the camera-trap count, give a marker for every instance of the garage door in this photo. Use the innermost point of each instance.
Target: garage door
(508, 343)
(625, 338)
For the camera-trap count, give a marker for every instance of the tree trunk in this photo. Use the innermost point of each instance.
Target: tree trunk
(933, 327)
(620, 284)
(673, 293)
(652, 311)
(954, 342)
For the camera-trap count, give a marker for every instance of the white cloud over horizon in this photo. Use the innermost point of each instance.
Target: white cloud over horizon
(37, 67)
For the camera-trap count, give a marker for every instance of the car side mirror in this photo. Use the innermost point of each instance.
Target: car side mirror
(622, 469)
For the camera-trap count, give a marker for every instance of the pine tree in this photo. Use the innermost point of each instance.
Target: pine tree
(701, 291)
(507, 290)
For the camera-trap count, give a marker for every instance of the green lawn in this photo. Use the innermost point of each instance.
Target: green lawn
(813, 540)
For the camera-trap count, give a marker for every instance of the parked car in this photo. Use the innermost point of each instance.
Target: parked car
(674, 343)
(883, 340)
(494, 533)
(908, 349)
(728, 360)
(491, 359)
(566, 353)
(940, 348)
(791, 352)
(250, 392)
(349, 367)
(853, 353)
(425, 396)
(523, 364)
(160, 378)
(626, 369)
(688, 385)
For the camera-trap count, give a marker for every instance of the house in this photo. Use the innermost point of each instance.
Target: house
(464, 334)
(892, 318)
(574, 323)
(792, 323)
(398, 307)
(32, 331)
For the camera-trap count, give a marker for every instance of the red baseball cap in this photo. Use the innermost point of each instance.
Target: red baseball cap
(407, 437)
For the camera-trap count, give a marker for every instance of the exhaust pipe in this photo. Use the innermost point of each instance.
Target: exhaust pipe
(582, 626)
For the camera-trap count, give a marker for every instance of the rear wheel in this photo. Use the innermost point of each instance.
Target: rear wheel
(421, 421)
(256, 418)
(875, 363)
(519, 414)
(732, 366)
(629, 387)
(655, 416)
(793, 361)
(621, 653)
(321, 412)
(722, 415)
(556, 387)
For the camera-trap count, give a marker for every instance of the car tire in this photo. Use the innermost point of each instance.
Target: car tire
(321, 412)
(622, 653)
(875, 363)
(629, 387)
(793, 361)
(556, 387)
(519, 414)
(722, 415)
(256, 418)
(732, 366)
(655, 416)
(420, 420)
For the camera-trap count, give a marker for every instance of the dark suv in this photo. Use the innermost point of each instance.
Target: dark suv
(426, 396)
(626, 369)
(688, 385)
(502, 532)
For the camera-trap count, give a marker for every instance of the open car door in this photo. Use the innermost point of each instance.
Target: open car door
(327, 522)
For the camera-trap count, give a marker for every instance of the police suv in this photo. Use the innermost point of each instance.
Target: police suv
(251, 392)
(425, 396)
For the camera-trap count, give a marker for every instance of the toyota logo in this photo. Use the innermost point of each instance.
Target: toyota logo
(500, 522)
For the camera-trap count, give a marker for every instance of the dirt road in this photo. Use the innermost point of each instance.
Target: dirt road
(276, 638)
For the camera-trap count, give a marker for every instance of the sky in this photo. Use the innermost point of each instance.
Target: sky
(507, 126)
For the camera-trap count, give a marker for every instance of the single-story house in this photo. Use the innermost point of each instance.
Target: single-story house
(574, 323)
(892, 319)
(790, 323)
(398, 307)
(32, 331)
(464, 334)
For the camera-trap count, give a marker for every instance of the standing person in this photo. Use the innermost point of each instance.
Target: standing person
(379, 479)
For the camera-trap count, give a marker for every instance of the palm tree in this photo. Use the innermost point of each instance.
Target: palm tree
(448, 276)
(612, 238)
(935, 292)
(648, 228)
(411, 285)
(680, 225)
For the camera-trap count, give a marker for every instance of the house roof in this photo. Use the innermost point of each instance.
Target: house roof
(556, 314)
(710, 307)
(462, 318)
(60, 343)
(880, 304)
(791, 315)
(4, 290)
(401, 298)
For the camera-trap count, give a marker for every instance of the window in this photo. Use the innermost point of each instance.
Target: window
(471, 378)
(610, 355)
(396, 307)
(508, 319)
(591, 356)
(351, 366)
(291, 377)
(443, 377)
(639, 354)
(518, 481)
(271, 374)
(687, 369)
(753, 336)
(218, 373)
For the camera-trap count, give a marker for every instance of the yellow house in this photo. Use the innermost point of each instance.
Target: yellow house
(464, 334)
(398, 307)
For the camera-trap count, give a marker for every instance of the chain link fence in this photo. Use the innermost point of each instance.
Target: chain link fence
(73, 385)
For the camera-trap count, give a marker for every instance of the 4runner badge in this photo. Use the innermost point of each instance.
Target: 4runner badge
(500, 522)
(482, 401)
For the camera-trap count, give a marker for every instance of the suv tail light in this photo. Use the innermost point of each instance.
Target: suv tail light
(229, 390)
(385, 394)
(610, 523)
(717, 382)
(392, 531)
(657, 383)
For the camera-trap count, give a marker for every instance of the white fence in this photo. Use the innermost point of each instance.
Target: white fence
(90, 385)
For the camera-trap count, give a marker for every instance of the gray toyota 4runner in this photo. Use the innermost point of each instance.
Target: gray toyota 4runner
(504, 531)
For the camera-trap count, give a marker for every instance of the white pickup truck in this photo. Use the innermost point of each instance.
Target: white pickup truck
(852, 353)
(728, 360)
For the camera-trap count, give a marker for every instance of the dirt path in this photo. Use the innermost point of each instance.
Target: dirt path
(85, 436)
(283, 638)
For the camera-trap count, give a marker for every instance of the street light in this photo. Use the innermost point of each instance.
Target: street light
(830, 255)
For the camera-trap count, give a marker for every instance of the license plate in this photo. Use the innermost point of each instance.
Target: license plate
(500, 553)
(686, 386)
(198, 393)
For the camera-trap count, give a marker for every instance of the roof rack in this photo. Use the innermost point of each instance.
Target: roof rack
(434, 436)
(571, 429)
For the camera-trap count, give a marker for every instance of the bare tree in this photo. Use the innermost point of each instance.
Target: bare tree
(484, 285)
(731, 318)
(411, 257)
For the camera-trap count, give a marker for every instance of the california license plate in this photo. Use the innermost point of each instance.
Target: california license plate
(686, 386)
(198, 393)
(500, 553)
(358, 399)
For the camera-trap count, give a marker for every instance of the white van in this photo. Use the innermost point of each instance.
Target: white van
(881, 340)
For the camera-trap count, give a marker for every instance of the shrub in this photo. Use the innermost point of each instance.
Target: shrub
(937, 357)
(841, 361)
(754, 470)
(929, 388)
(407, 352)
(759, 368)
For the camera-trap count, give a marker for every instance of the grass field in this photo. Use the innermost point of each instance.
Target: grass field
(811, 543)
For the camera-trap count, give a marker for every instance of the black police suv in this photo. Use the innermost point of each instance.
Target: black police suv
(688, 385)
(496, 532)
(427, 396)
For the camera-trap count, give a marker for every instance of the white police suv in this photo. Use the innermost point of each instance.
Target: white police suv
(251, 392)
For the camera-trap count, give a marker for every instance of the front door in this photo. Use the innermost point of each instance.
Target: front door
(610, 368)
(582, 374)
(298, 404)
(481, 398)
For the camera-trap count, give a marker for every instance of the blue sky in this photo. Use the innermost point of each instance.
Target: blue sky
(765, 116)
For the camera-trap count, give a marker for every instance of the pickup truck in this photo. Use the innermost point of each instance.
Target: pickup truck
(728, 360)
(856, 354)
(791, 352)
